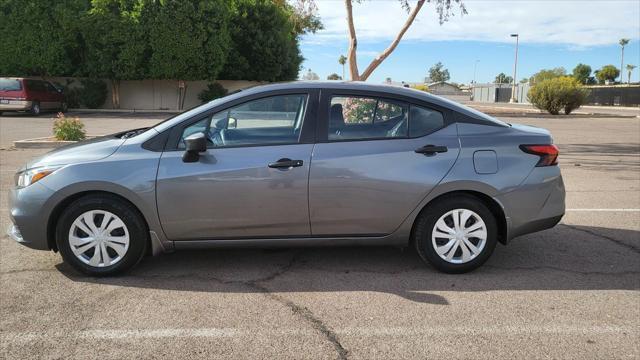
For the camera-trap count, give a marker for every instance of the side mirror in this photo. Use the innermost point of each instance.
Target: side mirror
(232, 124)
(195, 144)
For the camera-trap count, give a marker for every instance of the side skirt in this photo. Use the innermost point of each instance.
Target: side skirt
(388, 240)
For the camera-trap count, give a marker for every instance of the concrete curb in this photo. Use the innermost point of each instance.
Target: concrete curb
(44, 143)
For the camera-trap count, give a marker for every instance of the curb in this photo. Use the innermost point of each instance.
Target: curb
(44, 143)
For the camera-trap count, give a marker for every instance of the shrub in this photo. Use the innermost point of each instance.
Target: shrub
(561, 93)
(421, 87)
(213, 91)
(68, 129)
(71, 94)
(93, 93)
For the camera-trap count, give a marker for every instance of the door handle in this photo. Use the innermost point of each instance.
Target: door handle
(286, 163)
(430, 150)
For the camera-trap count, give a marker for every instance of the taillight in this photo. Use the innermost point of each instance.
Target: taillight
(548, 153)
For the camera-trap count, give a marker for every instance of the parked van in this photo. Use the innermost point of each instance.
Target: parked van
(32, 95)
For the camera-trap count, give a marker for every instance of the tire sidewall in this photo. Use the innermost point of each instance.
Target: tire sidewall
(35, 108)
(426, 224)
(138, 236)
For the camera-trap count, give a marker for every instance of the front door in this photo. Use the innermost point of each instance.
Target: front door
(366, 176)
(253, 180)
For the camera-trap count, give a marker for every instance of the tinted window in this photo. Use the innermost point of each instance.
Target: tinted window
(358, 118)
(424, 121)
(272, 120)
(10, 85)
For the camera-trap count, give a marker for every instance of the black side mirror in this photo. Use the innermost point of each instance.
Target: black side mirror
(195, 144)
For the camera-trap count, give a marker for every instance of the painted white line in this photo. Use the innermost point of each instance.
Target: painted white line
(362, 332)
(606, 210)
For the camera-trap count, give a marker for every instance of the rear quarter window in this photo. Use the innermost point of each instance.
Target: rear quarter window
(423, 121)
(10, 85)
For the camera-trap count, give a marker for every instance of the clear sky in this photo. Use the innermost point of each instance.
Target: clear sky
(552, 34)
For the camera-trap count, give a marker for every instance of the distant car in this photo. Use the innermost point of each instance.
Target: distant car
(31, 95)
(297, 164)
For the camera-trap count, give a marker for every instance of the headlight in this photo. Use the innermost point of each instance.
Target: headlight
(28, 177)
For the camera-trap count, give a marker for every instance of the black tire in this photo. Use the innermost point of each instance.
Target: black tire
(137, 228)
(64, 107)
(35, 108)
(427, 220)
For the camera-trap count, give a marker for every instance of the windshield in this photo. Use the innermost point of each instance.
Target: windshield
(10, 85)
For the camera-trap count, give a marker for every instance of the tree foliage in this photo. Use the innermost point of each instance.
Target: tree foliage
(213, 91)
(547, 74)
(502, 78)
(438, 73)
(264, 43)
(582, 73)
(188, 39)
(607, 72)
(334, 76)
(557, 94)
(40, 37)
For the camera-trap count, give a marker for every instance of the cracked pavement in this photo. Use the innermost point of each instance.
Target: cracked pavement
(568, 292)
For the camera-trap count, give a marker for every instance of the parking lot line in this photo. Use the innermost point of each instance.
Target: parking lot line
(606, 210)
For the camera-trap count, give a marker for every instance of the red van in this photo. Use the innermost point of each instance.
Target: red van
(32, 95)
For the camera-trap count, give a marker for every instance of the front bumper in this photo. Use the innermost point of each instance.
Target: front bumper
(29, 214)
(15, 105)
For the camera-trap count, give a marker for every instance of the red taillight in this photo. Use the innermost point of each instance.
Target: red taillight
(548, 153)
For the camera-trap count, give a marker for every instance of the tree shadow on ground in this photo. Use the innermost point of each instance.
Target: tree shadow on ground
(564, 258)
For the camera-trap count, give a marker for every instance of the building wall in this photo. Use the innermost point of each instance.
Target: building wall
(157, 94)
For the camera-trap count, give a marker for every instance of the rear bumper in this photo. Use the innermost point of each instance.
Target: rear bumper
(537, 204)
(16, 105)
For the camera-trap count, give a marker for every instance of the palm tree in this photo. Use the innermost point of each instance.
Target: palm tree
(623, 42)
(629, 70)
(342, 60)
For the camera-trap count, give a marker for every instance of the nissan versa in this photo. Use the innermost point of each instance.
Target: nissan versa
(290, 165)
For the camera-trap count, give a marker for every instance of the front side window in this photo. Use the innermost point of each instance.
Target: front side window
(270, 120)
(360, 118)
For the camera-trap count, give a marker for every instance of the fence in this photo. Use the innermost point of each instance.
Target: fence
(157, 94)
(492, 93)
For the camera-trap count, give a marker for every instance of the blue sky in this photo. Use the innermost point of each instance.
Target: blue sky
(552, 34)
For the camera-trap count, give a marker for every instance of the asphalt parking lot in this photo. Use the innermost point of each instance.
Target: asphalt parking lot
(568, 292)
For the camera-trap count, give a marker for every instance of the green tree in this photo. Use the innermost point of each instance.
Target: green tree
(502, 78)
(630, 68)
(40, 37)
(546, 74)
(607, 73)
(342, 60)
(438, 73)
(310, 75)
(582, 73)
(524, 80)
(334, 76)
(188, 40)
(623, 42)
(115, 45)
(264, 45)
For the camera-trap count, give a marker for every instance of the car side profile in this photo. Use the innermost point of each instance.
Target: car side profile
(30, 95)
(295, 164)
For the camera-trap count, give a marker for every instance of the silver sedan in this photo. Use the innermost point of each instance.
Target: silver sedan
(297, 164)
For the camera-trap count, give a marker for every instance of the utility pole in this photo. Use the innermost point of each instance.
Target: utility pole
(515, 68)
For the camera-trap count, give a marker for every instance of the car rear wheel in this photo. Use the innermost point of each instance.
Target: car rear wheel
(456, 234)
(101, 235)
(35, 108)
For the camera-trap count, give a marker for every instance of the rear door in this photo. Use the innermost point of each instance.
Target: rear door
(253, 180)
(366, 176)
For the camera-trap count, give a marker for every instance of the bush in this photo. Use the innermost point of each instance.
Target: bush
(68, 129)
(71, 95)
(93, 93)
(421, 87)
(553, 95)
(213, 91)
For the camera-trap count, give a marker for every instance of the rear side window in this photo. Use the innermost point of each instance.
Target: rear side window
(10, 85)
(362, 118)
(424, 121)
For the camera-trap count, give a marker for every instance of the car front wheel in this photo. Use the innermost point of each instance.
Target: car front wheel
(456, 234)
(101, 235)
